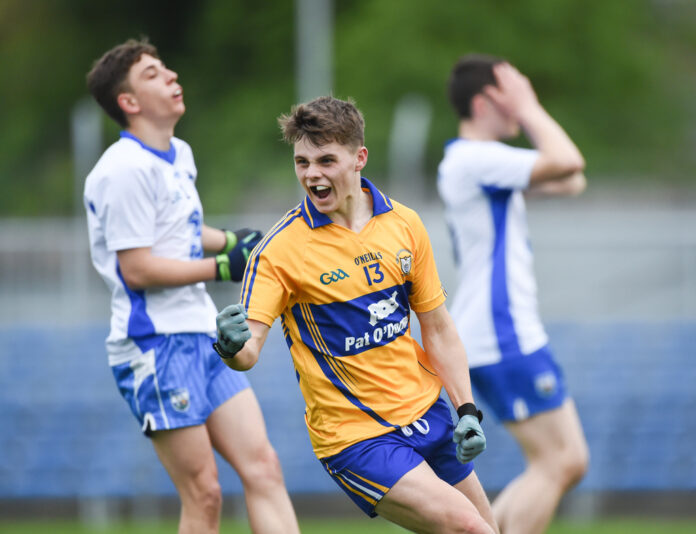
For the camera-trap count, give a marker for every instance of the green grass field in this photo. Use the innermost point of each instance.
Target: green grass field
(343, 526)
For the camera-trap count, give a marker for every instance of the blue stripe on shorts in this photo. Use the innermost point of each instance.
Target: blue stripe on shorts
(367, 470)
(518, 388)
(177, 383)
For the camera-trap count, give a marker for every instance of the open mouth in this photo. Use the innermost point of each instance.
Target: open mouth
(320, 191)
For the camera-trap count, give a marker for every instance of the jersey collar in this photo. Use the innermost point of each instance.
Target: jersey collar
(314, 218)
(169, 156)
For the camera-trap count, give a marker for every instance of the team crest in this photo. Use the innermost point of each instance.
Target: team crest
(545, 384)
(180, 399)
(403, 257)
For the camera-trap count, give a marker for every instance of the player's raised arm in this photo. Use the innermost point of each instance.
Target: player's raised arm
(559, 157)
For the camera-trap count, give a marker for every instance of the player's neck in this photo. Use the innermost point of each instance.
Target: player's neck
(157, 137)
(475, 131)
(356, 212)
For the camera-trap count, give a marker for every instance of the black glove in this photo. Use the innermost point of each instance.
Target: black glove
(232, 261)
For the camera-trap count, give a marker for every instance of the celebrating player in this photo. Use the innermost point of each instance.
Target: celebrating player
(343, 270)
(481, 181)
(147, 240)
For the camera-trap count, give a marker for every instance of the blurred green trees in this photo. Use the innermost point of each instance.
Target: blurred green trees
(618, 74)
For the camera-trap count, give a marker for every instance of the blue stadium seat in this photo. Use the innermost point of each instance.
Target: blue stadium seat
(66, 431)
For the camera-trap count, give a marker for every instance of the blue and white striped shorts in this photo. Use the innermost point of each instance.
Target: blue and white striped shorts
(177, 382)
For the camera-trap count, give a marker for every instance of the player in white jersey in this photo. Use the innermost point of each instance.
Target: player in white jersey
(148, 240)
(481, 181)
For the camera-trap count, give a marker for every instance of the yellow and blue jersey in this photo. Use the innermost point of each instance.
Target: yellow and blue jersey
(345, 302)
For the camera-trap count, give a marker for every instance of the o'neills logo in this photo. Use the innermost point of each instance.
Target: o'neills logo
(403, 258)
(368, 257)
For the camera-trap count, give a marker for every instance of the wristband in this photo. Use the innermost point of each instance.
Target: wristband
(222, 352)
(230, 242)
(222, 270)
(469, 408)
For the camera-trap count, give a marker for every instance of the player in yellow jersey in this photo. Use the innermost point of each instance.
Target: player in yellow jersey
(343, 270)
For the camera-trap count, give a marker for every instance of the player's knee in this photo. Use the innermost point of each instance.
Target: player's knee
(205, 494)
(569, 467)
(576, 466)
(461, 521)
(470, 523)
(263, 469)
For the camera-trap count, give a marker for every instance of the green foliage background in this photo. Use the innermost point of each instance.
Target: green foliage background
(619, 75)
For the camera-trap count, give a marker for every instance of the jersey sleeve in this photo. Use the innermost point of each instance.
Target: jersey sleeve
(427, 292)
(502, 166)
(128, 210)
(486, 165)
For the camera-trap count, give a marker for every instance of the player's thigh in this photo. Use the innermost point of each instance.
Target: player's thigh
(186, 453)
(238, 431)
(422, 502)
(551, 435)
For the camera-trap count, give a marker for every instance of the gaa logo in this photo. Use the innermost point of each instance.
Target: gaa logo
(333, 276)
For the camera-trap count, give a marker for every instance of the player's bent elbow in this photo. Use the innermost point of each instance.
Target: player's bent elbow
(134, 280)
(571, 165)
(577, 183)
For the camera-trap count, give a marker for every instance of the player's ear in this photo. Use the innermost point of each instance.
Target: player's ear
(128, 103)
(479, 104)
(361, 159)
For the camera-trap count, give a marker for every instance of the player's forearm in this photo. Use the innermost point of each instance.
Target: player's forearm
(446, 352)
(247, 356)
(571, 185)
(452, 367)
(213, 240)
(167, 272)
(559, 157)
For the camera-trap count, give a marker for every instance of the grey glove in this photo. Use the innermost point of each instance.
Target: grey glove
(232, 330)
(469, 438)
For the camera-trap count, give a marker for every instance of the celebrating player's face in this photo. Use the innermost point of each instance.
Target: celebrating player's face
(154, 92)
(330, 174)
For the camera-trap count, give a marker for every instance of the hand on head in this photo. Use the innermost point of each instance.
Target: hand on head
(514, 93)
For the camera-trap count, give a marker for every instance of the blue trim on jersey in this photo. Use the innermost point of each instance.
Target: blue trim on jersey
(286, 332)
(329, 372)
(357, 325)
(450, 142)
(169, 156)
(380, 202)
(253, 262)
(508, 343)
(315, 219)
(140, 327)
(312, 216)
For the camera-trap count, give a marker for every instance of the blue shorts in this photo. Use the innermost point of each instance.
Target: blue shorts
(517, 388)
(368, 469)
(177, 383)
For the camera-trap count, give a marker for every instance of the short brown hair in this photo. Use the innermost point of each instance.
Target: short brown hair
(109, 75)
(324, 120)
(469, 76)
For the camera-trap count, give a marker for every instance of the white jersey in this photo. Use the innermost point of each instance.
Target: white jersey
(495, 307)
(137, 196)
